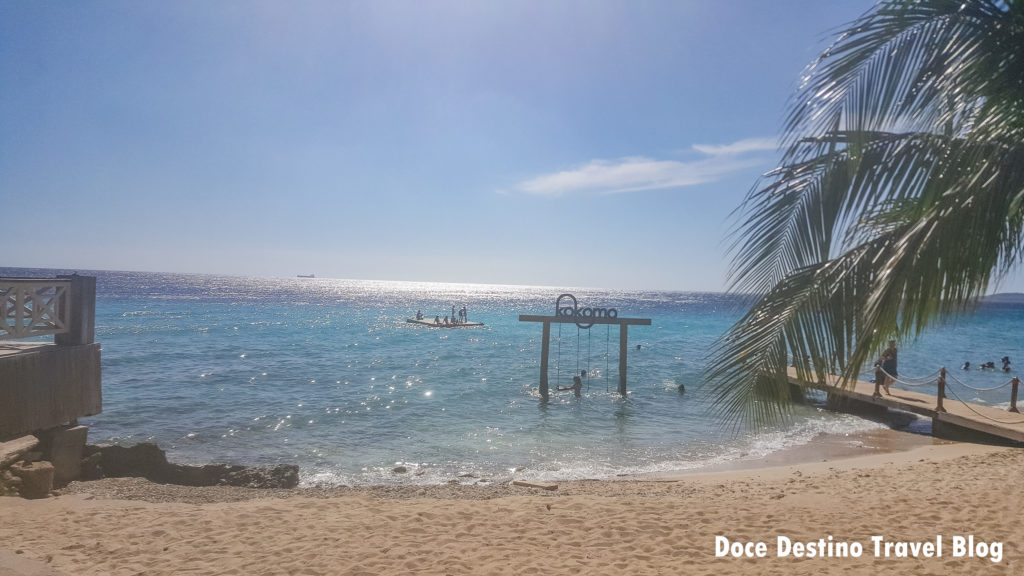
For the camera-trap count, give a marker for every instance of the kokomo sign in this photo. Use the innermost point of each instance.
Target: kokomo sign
(581, 315)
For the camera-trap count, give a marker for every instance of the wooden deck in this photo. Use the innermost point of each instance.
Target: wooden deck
(432, 324)
(974, 417)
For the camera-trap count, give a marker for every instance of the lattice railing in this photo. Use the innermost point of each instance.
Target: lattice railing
(30, 307)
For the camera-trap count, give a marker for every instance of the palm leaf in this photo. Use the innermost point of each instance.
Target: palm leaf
(899, 200)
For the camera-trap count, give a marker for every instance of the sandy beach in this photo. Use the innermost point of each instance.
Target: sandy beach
(648, 526)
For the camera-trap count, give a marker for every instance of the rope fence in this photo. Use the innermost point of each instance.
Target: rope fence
(590, 373)
(940, 377)
(913, 382)
(971, 408)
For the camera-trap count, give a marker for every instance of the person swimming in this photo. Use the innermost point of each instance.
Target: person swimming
(577, 386)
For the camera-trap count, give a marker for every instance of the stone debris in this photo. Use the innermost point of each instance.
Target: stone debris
(148, 461)
(36, 478)
(540, 485)
(15, 450)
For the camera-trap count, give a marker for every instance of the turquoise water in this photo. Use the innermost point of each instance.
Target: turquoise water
(328, 375)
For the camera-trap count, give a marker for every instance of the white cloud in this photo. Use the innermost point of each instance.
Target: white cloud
(639, 173)
(741, 147)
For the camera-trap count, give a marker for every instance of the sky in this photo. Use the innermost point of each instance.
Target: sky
(592, 143)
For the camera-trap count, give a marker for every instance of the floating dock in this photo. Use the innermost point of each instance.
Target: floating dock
(951, 418)
(433, 324)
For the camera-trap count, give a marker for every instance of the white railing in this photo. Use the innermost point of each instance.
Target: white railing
(33, 307)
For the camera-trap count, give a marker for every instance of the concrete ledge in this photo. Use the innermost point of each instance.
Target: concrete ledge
(841, 403)
(950, 431)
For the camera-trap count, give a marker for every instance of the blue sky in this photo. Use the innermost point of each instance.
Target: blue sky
(582, 143)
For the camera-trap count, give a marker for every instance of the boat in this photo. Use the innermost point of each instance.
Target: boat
(430, 323)
(307, 275)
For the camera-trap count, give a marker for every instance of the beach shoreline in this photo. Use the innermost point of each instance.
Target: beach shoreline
(869, 449)
(637, 525)
(824, 447)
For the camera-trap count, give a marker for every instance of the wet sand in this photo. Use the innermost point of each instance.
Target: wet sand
(665, 525)
(824, 448)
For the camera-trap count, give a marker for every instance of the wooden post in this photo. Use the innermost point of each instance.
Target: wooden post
(623, 344)
(942, 390)
(81, 318)
(1013, 395)
(544, 346)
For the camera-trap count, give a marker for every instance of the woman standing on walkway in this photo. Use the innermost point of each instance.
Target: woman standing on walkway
(890, 365)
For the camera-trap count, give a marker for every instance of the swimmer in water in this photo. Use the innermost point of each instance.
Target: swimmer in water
(577, 386)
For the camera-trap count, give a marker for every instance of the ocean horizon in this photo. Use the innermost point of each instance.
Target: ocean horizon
(327, 374)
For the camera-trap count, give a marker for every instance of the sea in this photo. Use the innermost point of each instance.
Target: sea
(328, 374)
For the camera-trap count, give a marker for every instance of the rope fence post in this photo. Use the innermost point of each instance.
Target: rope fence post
(1013, 395)
(942, 390)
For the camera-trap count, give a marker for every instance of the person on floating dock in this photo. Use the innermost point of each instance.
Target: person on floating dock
(577, 386)
(437, 320)
(419, 315)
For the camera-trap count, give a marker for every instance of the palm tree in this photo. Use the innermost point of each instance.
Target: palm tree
(898, 201)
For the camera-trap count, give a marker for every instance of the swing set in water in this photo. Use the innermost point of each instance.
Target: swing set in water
(584, 319)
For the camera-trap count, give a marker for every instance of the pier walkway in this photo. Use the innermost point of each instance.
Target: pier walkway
(950, 416)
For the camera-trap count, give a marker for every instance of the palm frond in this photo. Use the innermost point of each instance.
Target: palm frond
(899, 200)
